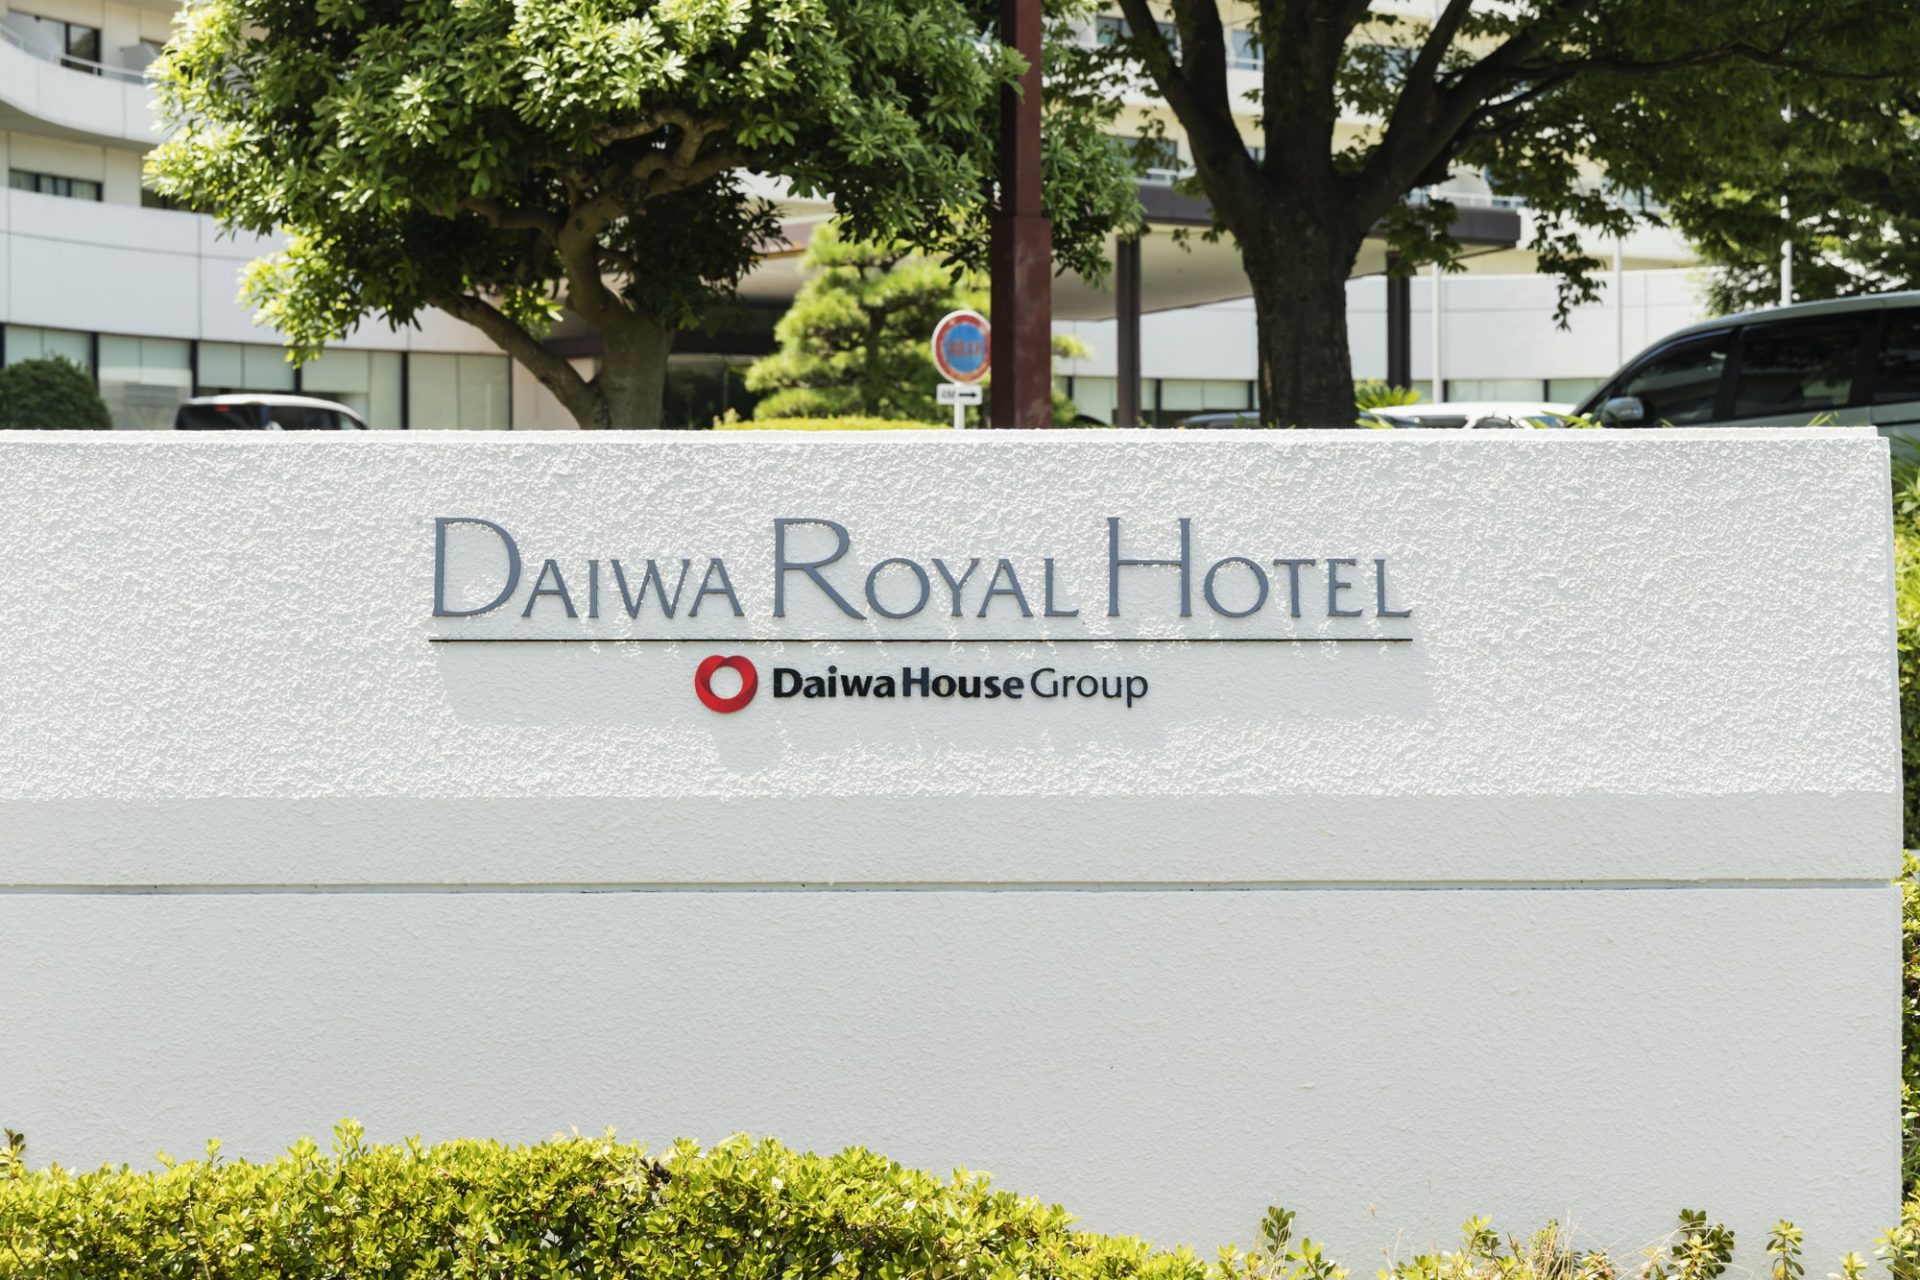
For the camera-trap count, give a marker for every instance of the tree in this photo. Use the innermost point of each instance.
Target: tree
(52, 394)
(856, 340)
(1845, 193)
(501, 159)
(1567, 104)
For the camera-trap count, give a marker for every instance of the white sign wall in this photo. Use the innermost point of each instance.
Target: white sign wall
(1505, 825)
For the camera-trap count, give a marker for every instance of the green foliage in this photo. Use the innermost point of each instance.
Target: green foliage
(1841, 185)
(580, 1206)
(51, 394)
(1909, 1001)
(1906, 571)
(857, 339)
(1372, 393)
(1556, 103)
(571, 1206)
(502, 158)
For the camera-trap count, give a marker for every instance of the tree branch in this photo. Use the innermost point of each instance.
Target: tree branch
(1197, 92)
(579, 396)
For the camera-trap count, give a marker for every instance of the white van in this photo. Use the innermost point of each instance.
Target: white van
(1848, 362)
(265, 413)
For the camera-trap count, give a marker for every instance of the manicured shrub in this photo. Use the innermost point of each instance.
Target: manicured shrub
(742, 1210)
(571, 1206)
(54, 394)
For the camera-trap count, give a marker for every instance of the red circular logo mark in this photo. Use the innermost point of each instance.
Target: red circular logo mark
(703, 683)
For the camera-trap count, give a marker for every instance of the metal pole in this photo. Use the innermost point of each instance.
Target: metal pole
(1786, 241)
(1436, 373)
(1022, 249)
(1786, 256)
(1399, 325)
(1126, 287)
(1619, 302)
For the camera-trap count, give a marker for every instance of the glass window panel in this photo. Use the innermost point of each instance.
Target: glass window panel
(1571, 390)
(25, 342)
(1246, 50)
(220, 365)
(70, 343)
(265, 368)
(83, 42)
(1094, 397)
(1896, 374)
(336, 370)
(1228, 393)
(1182, 393)
(385, 378)
(21, 180)
(1494, 388)
(1800, 368)
(433, 391)
(343, 377)
(144, 380)
(484, 391)
(1681, 384)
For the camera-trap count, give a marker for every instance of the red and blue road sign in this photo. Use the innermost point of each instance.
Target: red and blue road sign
(963, 346)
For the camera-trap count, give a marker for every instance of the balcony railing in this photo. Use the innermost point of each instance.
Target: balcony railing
(86, 66)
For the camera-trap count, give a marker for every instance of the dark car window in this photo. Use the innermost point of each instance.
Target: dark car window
(1802, 367)
(300, 417)
(1682, 383)
(1896, 374)
(216, 417)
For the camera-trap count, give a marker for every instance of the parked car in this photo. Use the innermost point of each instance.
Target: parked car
(265, 413)
(1219, 420)
(1474, 414)
(1462, 414)
(1848, 362)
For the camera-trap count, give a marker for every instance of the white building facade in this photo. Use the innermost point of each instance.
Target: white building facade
(146, 297)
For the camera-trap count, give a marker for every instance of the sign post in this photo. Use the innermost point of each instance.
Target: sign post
(963, 353)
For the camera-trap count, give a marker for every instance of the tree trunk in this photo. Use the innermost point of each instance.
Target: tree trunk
(1299, 276)
(633, 379)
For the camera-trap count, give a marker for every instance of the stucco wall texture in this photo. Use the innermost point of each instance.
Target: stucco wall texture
(1565, 895)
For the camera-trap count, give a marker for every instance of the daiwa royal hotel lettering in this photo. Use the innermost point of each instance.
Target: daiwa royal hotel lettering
(972, 587)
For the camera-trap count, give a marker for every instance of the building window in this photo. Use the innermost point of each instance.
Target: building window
(1156, 160)
(1246, 55)
(1109, 30)
(69, 43)
(462, 392)
(1470, 390)
(1571, 390)
(227, 368)
(144, 380)
(367, 382)
(26, 342)
(52, 184)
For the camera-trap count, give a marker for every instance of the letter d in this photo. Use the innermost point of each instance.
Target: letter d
(440, 609)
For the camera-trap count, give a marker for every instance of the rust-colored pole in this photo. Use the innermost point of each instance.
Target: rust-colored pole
(1022, 243)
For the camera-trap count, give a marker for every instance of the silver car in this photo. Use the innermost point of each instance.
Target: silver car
(1848, 362)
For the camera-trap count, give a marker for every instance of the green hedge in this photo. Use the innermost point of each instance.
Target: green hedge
(1906, 571)
(744, 1210)
(572, 1206)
